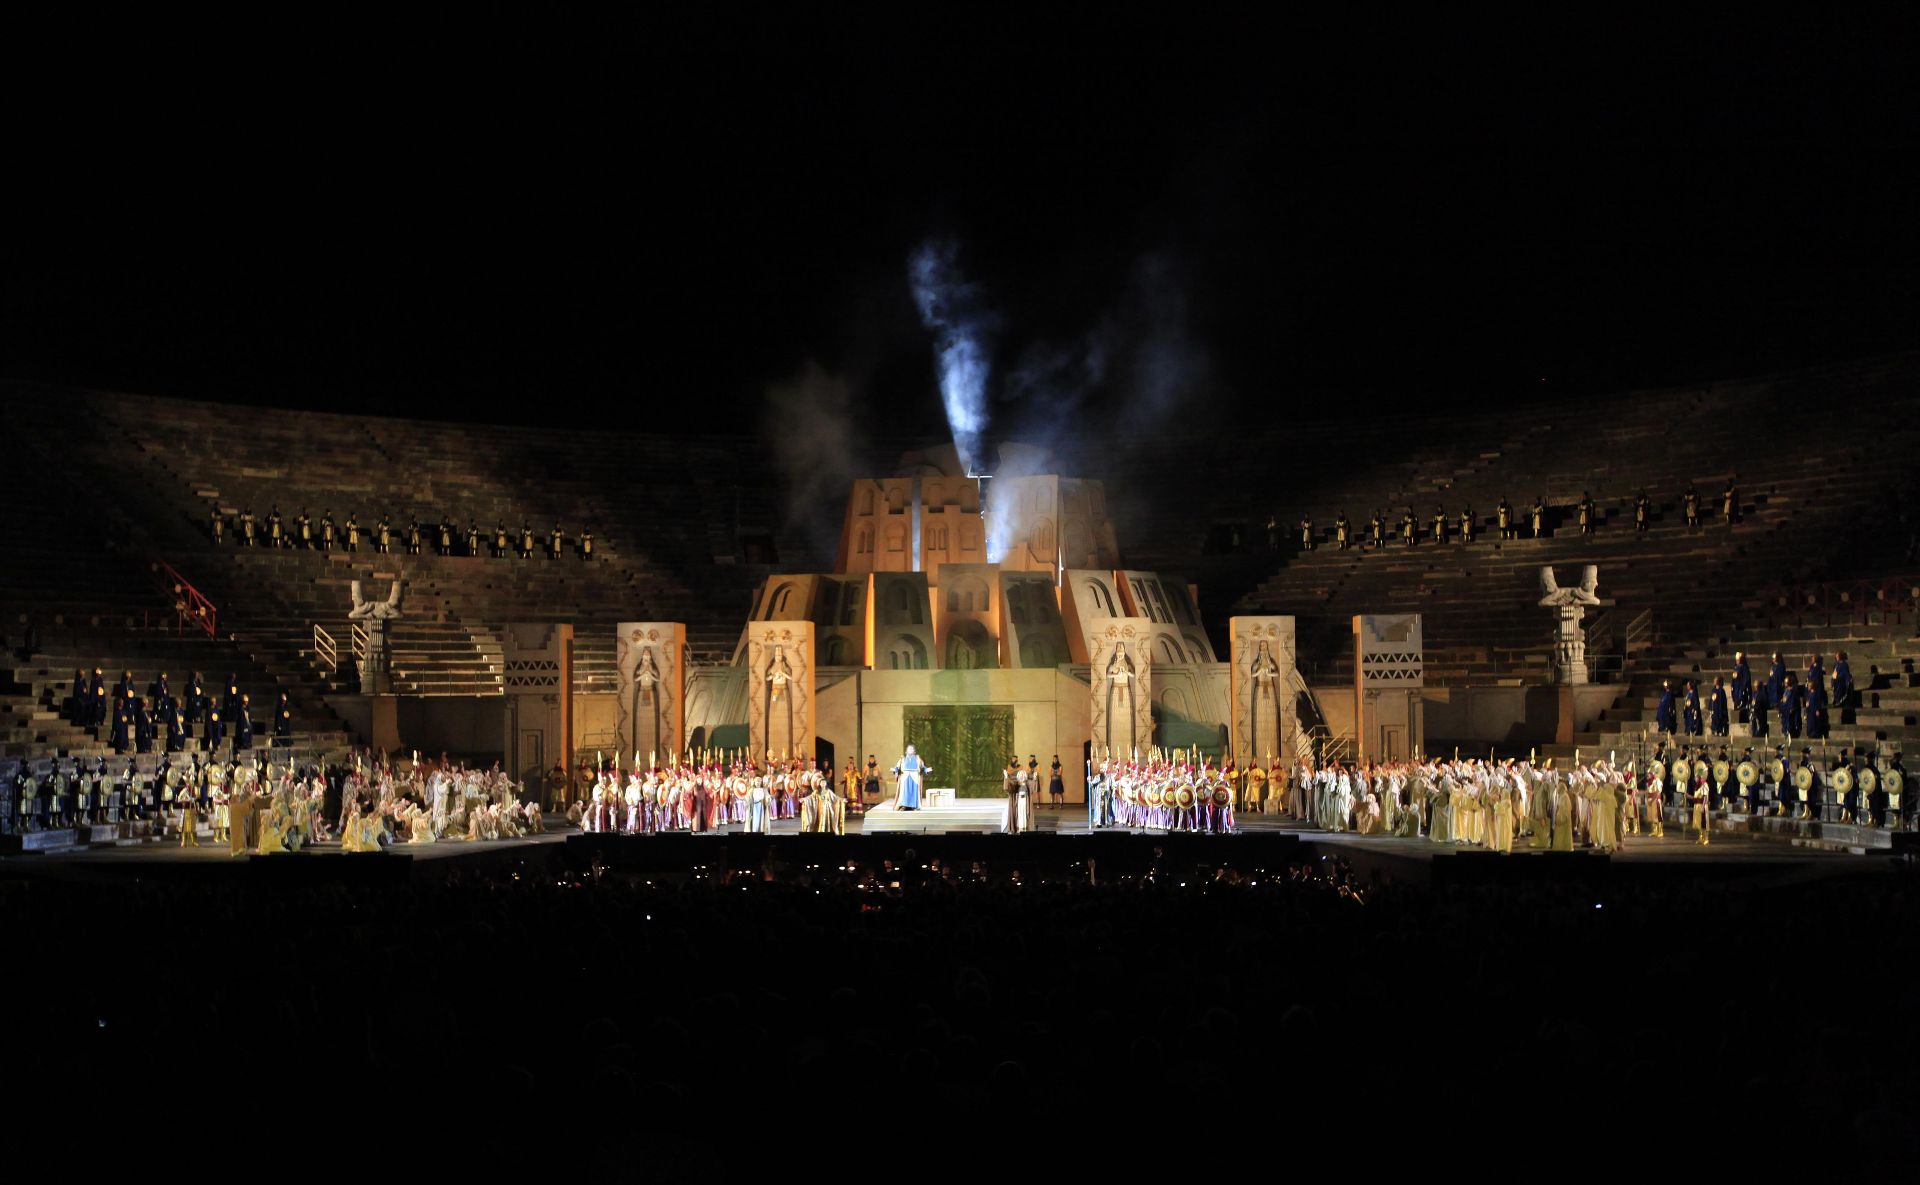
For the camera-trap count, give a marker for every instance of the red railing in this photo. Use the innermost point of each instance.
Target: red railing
(190, 606)
(1891, 598)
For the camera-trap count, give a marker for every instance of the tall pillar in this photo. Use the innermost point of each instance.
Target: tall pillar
(1122, 674)
(780, 689)
(651, 713)
(537, 676)
(1389, 669)
(1265, 724)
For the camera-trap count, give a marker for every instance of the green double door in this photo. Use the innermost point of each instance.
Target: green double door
(966, 744)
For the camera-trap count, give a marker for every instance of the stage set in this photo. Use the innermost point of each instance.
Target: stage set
(977, 621)
(947, 643)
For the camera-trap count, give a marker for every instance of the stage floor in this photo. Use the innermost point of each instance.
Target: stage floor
(1674, 849)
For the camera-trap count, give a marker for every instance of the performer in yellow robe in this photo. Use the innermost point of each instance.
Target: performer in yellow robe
(239, 814)
(189, 822)
(1603, 817)
(1502, 822)
(1562, 818)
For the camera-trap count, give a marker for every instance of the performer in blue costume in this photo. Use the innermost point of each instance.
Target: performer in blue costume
(910, 771)
(1099, 801)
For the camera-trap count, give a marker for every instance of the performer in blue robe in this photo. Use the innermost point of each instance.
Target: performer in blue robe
(196, 699)
(1842, 682)
(1663, 715)
(1816, 711)
(1742, 687)
(1693, 709)
(243, 724)
(1816, 676)
(1717, 708)
(1776, 680)
(910, 771)
(1790, 708)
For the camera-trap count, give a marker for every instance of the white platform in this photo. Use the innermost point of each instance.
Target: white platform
(963, 814)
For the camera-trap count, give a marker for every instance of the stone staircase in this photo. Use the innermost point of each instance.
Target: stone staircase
(1882, 658)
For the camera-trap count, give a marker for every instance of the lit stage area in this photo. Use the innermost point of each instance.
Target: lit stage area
(1062, 846)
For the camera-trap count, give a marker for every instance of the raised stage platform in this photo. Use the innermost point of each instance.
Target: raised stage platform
(966, 815)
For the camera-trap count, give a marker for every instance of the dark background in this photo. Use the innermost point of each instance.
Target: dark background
(514, 222)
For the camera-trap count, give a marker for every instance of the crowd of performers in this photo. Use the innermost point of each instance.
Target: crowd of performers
(1797, 705)
(1537, 521)
(1166, 792)
(306, 533)
(199, 718)
(1499, 804)
(276, 804)
(708, 792)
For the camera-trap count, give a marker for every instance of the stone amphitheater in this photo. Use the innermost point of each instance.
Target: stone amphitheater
(1822, 557)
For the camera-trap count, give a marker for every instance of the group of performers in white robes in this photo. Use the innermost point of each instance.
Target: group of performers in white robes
(432, 802)
(706, 796)
(1475, 803)
(1177, 793)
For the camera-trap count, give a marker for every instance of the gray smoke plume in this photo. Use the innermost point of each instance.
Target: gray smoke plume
(1136, 369)
(962, 326)
(809, 426)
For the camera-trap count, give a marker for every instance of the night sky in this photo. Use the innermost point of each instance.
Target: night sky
(517, 222)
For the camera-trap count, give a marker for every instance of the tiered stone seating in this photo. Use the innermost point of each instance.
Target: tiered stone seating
(668, 515)
(1802, 511)
(1881, 655)
(34, 713)
(128, 478)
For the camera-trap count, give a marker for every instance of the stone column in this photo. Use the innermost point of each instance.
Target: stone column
(1122, 678)
(651, 712)
(1265, 720)
(780, 689)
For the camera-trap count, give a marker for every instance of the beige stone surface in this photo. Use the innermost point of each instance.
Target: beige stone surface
(1122, 689)
(650, 707)
(1264, 725)
(1032, 631)
(1089, 599)
(537, 676)
(966, 616)
(780, 688)
(900, 622)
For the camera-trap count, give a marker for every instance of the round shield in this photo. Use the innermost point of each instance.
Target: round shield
(1720, 772)
(1749, 773)
(1842, 779)
(739, 789)
(1891, 781)
(1658, 769)
(1776, 770)
(1184, 796)
(1220, 796)
(1867, 779)
(1803, 778)
(1701, 769)
(1153, 796)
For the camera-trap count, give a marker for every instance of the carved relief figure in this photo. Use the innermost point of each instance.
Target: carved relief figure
(1121, 719)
